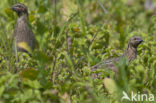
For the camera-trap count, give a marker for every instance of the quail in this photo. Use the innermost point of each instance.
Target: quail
(130, 53)
(23, 32)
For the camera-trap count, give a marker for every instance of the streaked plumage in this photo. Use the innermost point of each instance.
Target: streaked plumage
(130, 53)
(23, 32)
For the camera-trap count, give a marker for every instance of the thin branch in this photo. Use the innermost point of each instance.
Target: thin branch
(52, 72)
(93, 39)
(104, 9)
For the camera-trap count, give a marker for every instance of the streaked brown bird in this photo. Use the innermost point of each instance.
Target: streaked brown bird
(23, 32)
(130, 53)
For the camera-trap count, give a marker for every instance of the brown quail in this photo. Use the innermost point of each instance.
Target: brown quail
(23, 32)
(130, 53)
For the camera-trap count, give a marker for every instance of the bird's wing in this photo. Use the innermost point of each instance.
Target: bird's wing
(103, 64)
(108, 63)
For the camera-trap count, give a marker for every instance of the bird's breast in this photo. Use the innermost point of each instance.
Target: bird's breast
(23, 32)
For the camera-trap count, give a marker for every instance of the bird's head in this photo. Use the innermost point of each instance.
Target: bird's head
(135, 41)
(20, 9)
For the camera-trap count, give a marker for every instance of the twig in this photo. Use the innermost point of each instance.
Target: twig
(104, 9)
(93, 39)
(78, 62)
(68, 42)
(52, 72)
(64, 26)
(55, 16)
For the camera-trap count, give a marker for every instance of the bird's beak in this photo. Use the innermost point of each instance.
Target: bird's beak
(14, 8)
(140, 41)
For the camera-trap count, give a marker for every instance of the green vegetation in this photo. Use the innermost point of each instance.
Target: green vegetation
(72, 36)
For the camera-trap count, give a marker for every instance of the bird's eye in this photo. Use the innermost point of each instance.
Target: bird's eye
(135, 38)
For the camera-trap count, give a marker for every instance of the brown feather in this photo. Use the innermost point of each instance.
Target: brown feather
(23, 32)
(130, 53)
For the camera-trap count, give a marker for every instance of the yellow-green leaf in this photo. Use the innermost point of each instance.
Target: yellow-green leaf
(110, 85)
(25, 46)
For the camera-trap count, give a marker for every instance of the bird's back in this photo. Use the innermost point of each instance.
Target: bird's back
(108, 63)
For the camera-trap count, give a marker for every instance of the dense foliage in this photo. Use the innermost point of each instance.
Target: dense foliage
(72, 36)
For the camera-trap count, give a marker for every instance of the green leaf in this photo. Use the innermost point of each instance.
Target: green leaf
(2, 88)
(32, 83)
(110, 85)
(42, 9)
(31, 74)
(25, 46)
(9, 13)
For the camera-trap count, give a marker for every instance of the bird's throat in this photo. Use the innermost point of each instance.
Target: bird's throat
(130, 53)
